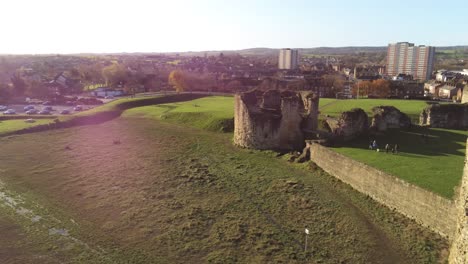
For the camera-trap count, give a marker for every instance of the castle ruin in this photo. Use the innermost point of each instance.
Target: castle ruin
(273, 119)
(445, 116)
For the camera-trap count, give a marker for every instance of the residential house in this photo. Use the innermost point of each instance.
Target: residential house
(431, 88)
(448, 91)
(106, 91)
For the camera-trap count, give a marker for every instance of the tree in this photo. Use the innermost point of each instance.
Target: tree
(19, 84)
(90, 74)
(334, 83)
(234, 86)
(115, 75)
(178, 80)
(361, 89)
(380, 88)
(37, 89)
(5, 92)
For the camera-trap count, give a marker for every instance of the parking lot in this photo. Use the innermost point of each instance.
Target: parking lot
(56, 109)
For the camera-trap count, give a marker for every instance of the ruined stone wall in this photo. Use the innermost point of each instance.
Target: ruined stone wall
(459, 250)
(445, 116)
(310, 101)
(385, 117)
(425, 207)
(349, 125)
(273, 119)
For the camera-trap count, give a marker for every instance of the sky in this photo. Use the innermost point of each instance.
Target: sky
(107, 26)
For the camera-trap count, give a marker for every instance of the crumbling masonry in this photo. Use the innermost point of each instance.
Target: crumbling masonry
(274, 119)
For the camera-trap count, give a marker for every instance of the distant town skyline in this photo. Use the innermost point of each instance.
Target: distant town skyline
(87, 26)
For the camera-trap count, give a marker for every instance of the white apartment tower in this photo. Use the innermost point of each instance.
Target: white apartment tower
(404, 57)
(288, 59)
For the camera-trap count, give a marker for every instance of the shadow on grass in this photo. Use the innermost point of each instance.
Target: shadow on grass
(416, 142)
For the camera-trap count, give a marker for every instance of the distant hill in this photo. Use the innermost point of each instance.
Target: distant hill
(317, 51)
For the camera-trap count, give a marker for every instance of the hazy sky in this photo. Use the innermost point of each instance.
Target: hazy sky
(73, 26)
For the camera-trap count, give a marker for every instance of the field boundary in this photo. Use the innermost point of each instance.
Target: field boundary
(107, 115)
(425, 207)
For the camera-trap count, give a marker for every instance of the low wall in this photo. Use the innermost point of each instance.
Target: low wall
(459, 250)
(425, 207)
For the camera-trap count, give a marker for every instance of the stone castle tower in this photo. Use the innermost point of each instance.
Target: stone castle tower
(273, 119)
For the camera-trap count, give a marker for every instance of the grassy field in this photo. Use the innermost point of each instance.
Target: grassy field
(138, 190)
(434, 163)
(334, 107)
(211, 113)
(8, 126)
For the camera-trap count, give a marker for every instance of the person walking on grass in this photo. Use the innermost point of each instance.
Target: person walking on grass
(395, 149)
(387, 148)
(374, 144)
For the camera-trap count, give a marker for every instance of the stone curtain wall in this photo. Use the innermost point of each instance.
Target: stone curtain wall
(425, 207)
(459, 250)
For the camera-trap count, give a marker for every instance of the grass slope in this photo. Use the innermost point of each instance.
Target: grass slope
(211, 113)
(8, 126)
(171, 194)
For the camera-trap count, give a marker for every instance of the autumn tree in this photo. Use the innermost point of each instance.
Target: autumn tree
(178, 80)
(380, 88)
(361, 89)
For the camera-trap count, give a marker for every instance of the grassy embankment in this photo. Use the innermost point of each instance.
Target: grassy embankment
(210, 113)
(7, 126)
(174, 194)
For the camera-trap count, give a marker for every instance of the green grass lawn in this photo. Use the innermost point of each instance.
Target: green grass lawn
(335, 107)
(210, 113)
(8, 126)
(435, 164)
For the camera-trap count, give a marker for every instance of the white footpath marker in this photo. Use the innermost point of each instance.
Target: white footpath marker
(307, 233)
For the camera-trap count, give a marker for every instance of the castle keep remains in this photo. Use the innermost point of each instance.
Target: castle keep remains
(274, 119)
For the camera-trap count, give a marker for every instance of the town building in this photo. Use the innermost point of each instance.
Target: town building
(404, 57)
(288, 59)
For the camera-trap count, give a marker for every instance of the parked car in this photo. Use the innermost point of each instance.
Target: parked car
(46, 103)
(48, 108)
(65, 112)
(109, 97)
(31, 112)
(3, 108)
(28, 107)
(9, 112)
(78, 108)
(44, 112)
